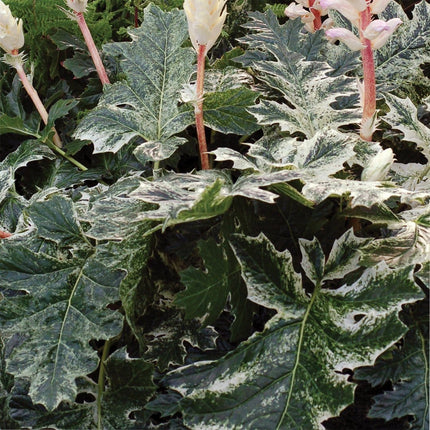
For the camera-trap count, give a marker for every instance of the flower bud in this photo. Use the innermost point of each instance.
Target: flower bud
(345, 36)
(378, 31)
(11, 33)
(378, 166)
(205, 20)
(79, 6)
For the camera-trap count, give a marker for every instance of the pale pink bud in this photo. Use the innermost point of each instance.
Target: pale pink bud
(378, 6)
(379, 166)
(350, 9)
(379, 31)
(11, 32)
(345, 36)
(79, 6)
(205, 21)
(295, 10)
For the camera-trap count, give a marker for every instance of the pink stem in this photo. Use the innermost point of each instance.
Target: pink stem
(36, 100)
(369, 96)
(203, 149)
(92, 48)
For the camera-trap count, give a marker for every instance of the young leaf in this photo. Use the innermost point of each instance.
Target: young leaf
(206, 292)
(307, 87)
(146, 105)
(275, 379)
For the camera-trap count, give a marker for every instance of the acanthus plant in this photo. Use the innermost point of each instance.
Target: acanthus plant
(145, 293)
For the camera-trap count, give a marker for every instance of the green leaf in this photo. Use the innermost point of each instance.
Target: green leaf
(274, 379)
(56, 220)
(308, 90)
(130, 387)
(15, 125)
(59, 109)
(226, 111)
(54, 303)
(206, 291)
(407, 367)
(403, 117)
(398, 62)
(146, 105)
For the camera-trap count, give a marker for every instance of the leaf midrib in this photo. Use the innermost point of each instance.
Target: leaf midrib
(299, 348)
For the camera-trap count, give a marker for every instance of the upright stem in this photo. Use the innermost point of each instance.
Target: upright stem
(92, 48)
(101, 384)
(317, 15)
(369, 91)
(37, 102)
(201, 136)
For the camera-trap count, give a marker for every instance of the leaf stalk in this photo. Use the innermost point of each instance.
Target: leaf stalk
(101, 383)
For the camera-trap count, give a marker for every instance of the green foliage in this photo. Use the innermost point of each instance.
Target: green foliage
(244, 296)
(277, 369)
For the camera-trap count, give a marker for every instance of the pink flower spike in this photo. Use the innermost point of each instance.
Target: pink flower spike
(379, 31)
(378, 6)
(345, 36)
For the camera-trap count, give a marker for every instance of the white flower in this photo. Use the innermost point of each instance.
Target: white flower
(345, 36)
(378, 31)
(205, 21)
(294, 10)
(378, 166)
(11, 33)
(79, 6)
(350, 9)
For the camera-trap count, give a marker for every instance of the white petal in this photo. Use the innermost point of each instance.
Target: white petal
(11, 32)
(295, 10)
(345, 36)
(385, 33)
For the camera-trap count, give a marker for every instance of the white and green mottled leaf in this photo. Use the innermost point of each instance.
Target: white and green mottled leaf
(28, 151)
(398, 61)
(403, 117)
(308, 90)
(146, 105)
(274, 379)
(406, 366)
(48, 326)
(130, 386)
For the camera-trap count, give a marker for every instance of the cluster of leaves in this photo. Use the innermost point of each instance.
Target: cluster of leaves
(142, 293)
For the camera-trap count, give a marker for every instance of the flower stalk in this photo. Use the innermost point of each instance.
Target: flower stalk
(31, 91)
(79, 7)
(373, 33)
(101, 71)
(205, 20)
(369, 83)
(198, 109)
